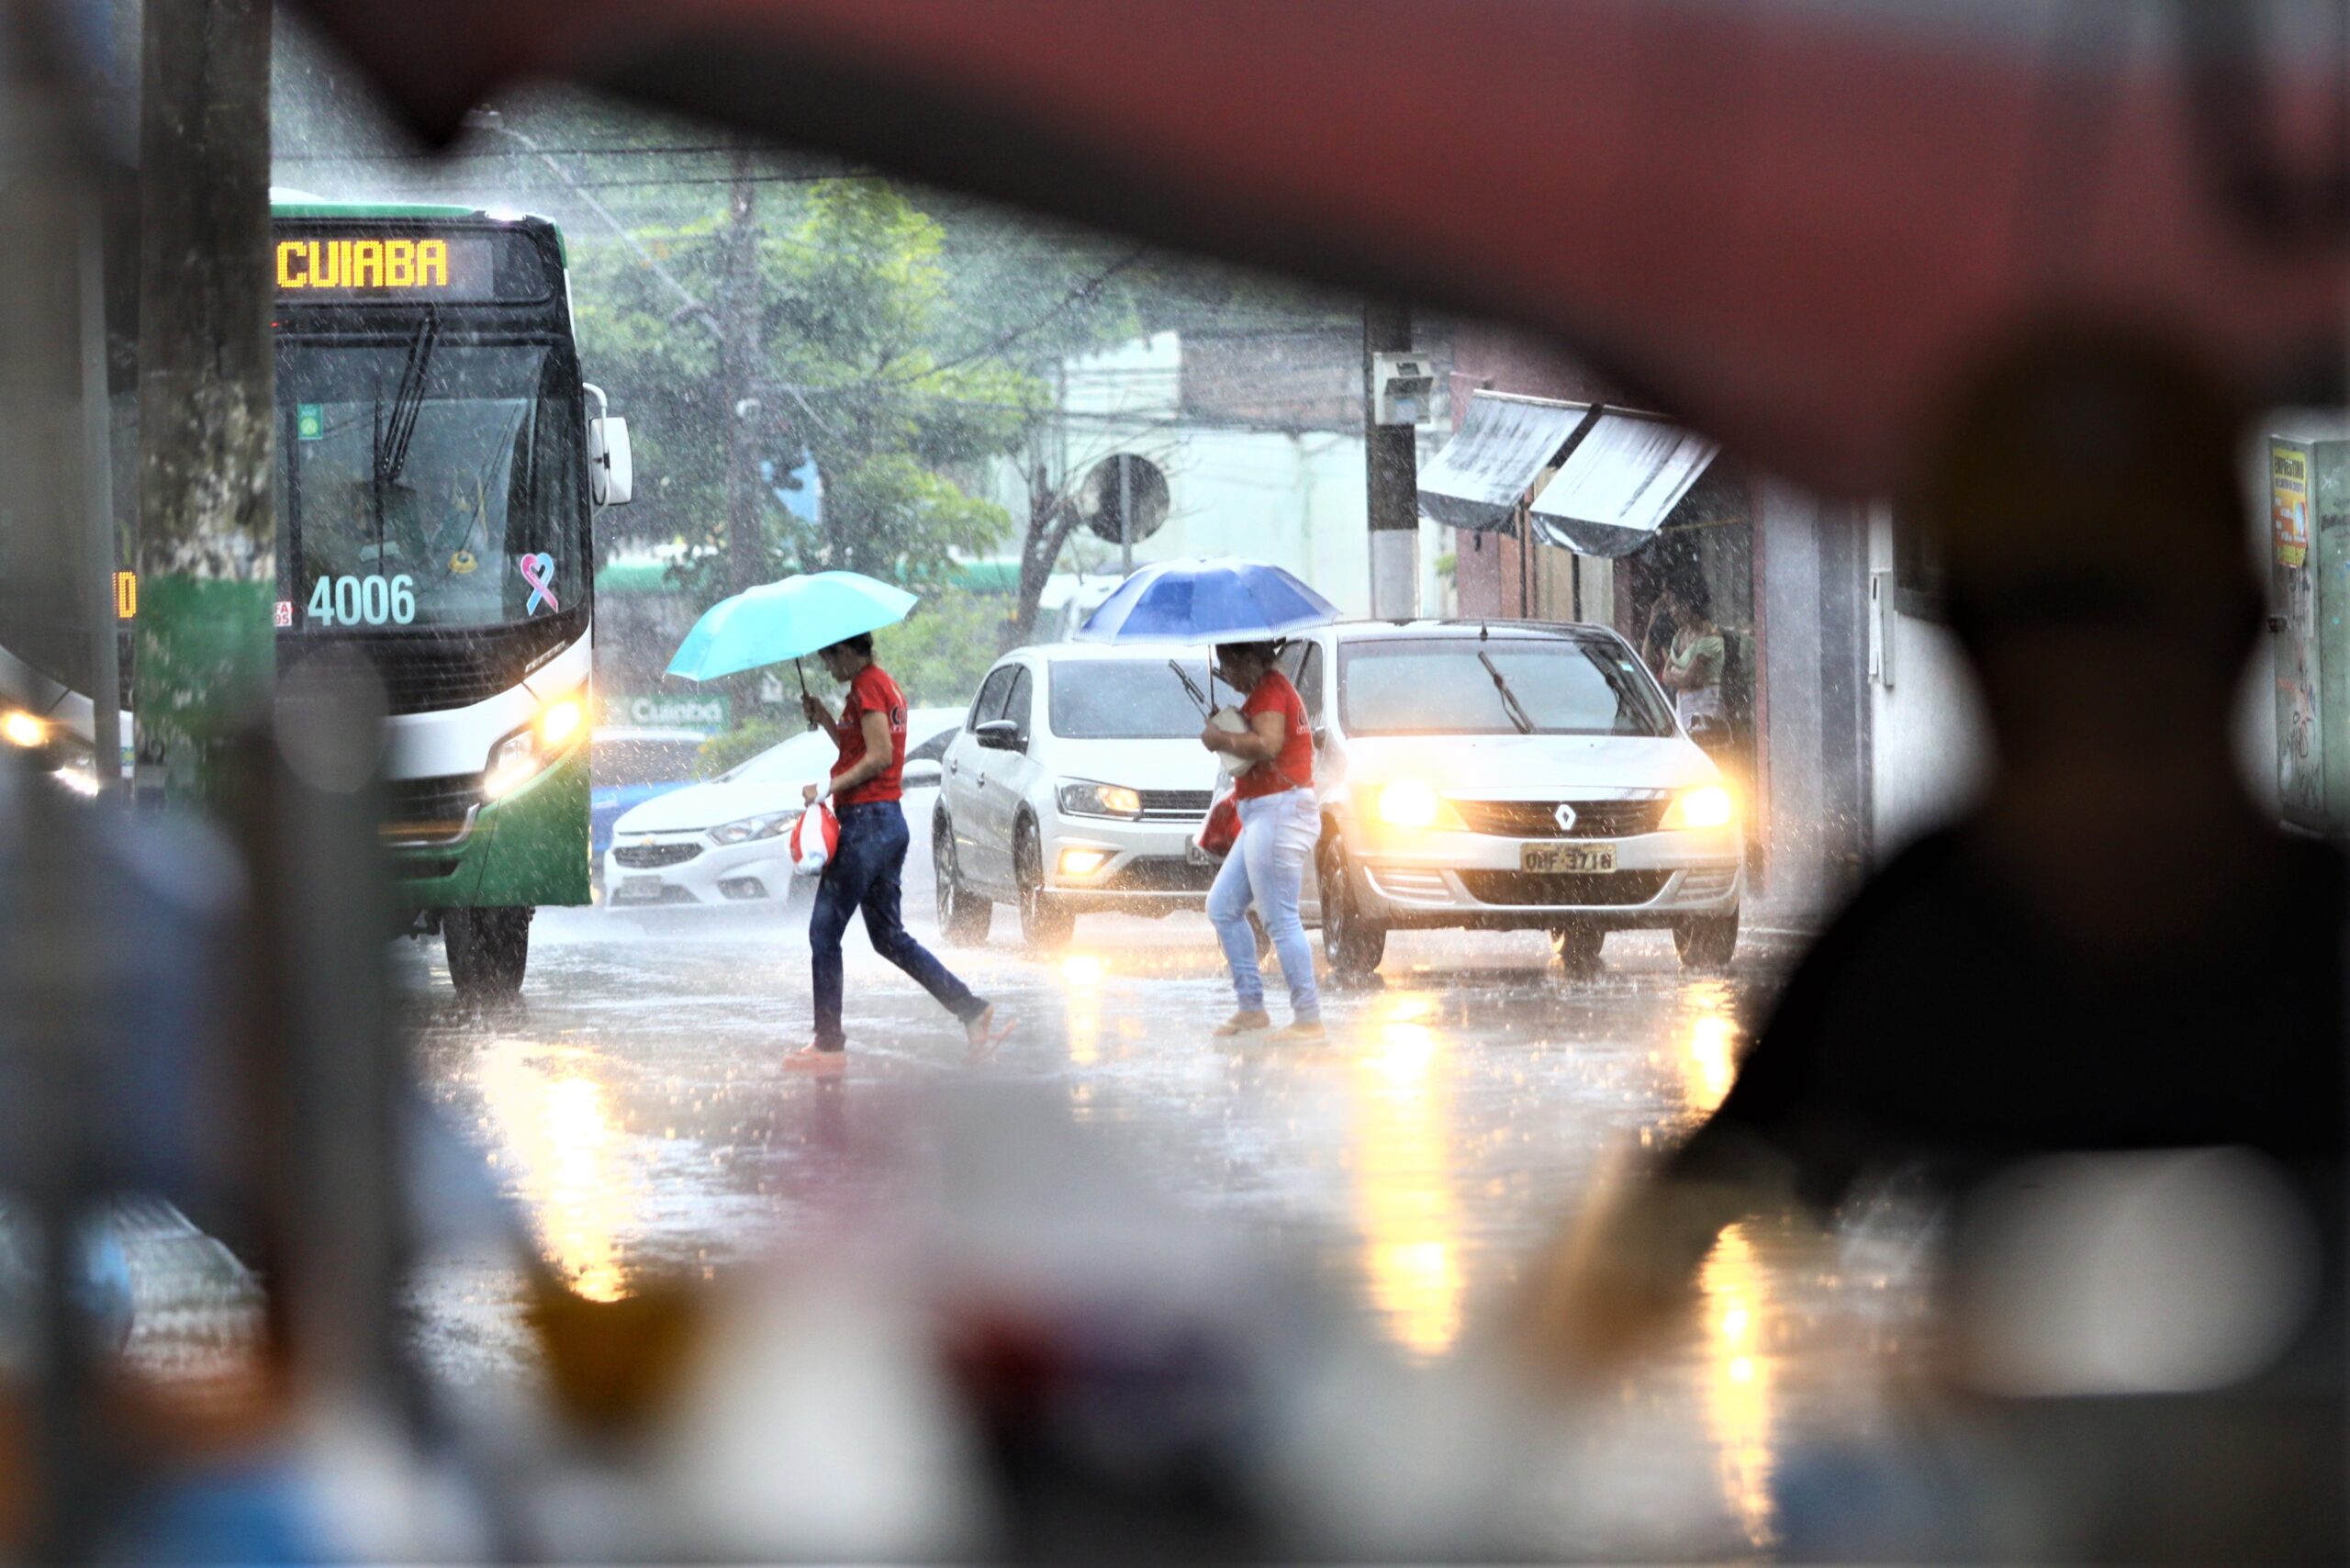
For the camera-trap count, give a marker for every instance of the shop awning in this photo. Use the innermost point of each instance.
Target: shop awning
(1619, 482)
(1502, 444)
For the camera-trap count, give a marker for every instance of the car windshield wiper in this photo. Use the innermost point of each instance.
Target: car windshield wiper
(1510, 703)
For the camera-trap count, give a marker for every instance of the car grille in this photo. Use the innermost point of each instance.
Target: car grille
(429, 810)
(1160, 874)
(1568, 888)
(1175, 805)
(1539, 819)
(645, 857)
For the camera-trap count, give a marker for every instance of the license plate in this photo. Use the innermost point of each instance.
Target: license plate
(1584, 858)
(1194, 856)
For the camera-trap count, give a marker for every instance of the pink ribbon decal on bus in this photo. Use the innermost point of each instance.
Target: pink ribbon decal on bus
(539, 572)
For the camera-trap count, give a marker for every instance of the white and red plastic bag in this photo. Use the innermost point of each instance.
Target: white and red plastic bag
(814, 838)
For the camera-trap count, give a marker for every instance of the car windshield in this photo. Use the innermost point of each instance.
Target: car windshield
(1565, 686)
(1124, 699)
(427, 484)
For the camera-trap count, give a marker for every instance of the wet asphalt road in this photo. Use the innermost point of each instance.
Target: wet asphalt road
(635, 1109)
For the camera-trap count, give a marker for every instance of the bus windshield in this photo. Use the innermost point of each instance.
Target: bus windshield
(424, 484)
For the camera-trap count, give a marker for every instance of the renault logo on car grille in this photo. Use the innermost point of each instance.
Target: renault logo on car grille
(1565, 817)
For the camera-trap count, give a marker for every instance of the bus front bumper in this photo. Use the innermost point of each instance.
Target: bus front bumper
(527, 848)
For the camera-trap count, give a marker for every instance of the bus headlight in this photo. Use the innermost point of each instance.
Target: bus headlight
(1411, 802)
(520, 755)
(19, 728)
(1709, 805)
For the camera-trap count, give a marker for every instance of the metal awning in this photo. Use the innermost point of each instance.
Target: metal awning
(1501, 447)
(1619, 482)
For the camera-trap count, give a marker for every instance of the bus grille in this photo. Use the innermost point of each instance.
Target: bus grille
(429, 810)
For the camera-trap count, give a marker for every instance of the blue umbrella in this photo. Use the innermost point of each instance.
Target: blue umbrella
(776, 622)
(1207, 601)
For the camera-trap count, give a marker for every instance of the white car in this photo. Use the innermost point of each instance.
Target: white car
(1509, 776)
(722, 842)
(1077, 783)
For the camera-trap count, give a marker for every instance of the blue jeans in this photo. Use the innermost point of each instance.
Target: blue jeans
(863, 874)
(1267, 866)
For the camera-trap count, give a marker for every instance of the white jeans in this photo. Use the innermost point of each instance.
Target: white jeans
(1267, 867)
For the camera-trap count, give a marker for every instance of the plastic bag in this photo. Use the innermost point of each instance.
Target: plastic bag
(1220, 828)
(813, 838)
(1229, 720)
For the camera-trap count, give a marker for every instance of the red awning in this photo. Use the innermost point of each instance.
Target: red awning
(1788, 224)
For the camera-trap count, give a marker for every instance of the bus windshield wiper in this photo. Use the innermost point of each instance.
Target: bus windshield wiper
(408, 402)
(1510, 703)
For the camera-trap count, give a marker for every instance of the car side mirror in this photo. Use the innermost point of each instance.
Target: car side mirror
(1710, 733)
(919, 776)
(998, 734)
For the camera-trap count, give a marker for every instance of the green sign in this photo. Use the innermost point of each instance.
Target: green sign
(667, 711)
(309, 422)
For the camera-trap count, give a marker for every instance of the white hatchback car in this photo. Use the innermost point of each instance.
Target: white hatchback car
(1077, 783)
(722, 842)
(1510, 776)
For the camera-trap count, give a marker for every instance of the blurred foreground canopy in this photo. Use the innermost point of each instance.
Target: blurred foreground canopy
(1789, 223)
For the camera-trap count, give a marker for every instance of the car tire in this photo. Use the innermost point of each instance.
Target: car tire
(1351, 940)
(488, 950)
(1707, 945)
(1578, 944)
(963, 917)
(1045, 924)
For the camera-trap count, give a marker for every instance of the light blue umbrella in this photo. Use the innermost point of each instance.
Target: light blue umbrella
(1207, 601)
(788, 619)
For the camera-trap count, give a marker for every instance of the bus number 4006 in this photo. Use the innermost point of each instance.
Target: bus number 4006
(364, 601)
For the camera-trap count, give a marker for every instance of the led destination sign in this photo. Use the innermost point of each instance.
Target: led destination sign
(339, 268)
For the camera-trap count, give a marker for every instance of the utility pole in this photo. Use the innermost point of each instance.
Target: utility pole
(207, 530)
(738, 356)
(1392, 477)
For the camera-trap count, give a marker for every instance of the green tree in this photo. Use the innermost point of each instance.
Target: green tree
(858, 364)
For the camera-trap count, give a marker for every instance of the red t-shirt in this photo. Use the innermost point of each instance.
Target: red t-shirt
(872, 691)
(1293, 768)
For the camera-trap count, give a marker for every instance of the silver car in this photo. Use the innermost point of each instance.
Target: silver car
(1509, 776)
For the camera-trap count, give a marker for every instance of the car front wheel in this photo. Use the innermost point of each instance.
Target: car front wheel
(1709, 944)
(1044, 924)
(963, 917)
(1353, 941)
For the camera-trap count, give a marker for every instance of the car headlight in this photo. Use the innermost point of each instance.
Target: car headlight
(19, 728)
(1079, 800)
(1411, 802)
(530, 748)
(770, 824)
(1709, 805)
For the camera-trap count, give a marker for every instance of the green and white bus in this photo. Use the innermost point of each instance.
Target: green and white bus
(439, 469)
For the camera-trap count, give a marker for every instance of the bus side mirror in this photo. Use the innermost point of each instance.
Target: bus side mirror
(611, 476)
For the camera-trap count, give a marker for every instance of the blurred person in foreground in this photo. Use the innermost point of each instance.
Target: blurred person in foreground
(2115, 949)
(865, 866)
(1278, 827)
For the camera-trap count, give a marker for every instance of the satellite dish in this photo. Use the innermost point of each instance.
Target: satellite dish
(1119, 485)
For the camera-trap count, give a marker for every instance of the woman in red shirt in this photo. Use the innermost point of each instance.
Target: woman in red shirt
(1280, 825)
(870, 732)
